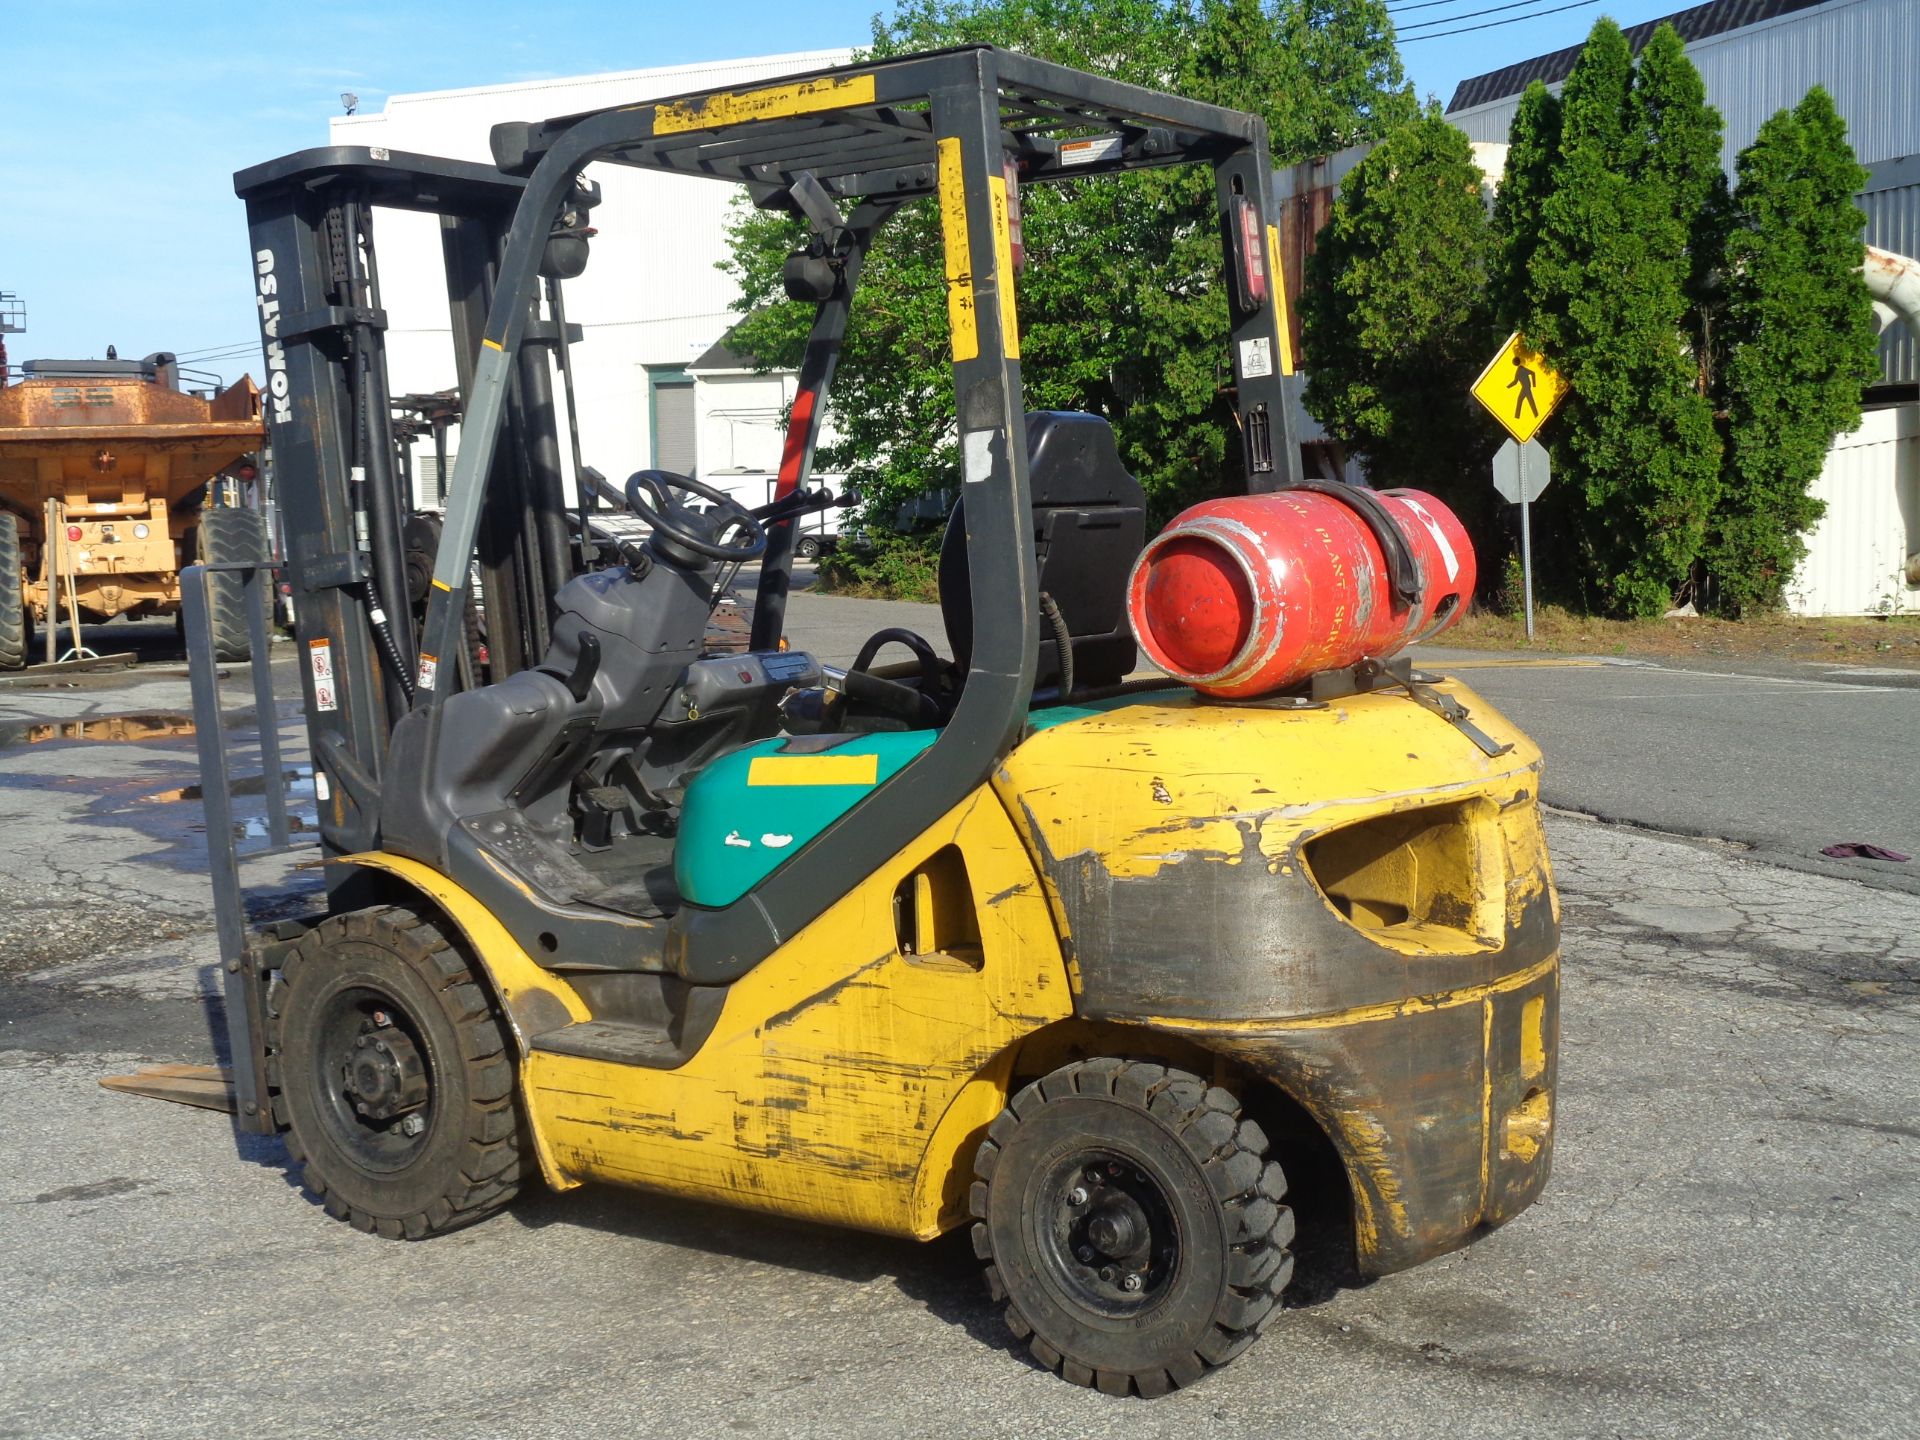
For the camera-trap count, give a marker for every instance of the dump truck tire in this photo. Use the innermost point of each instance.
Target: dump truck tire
(13, 597)
(392, 1074)
(228, 535)
(1130, 1219)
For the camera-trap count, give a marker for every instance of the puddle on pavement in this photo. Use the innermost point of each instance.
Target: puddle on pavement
(163, 800)
(98, 729)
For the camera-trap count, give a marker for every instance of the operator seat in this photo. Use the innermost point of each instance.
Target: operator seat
(1089, 526)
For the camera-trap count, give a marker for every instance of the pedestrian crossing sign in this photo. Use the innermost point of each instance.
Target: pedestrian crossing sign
(1520, 388)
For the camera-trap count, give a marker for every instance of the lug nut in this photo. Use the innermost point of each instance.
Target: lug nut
(1131, 1283)
(1085, 1252)
(1106, 1273)
(412, 1125)
(1077, 1195)
(382, 1019)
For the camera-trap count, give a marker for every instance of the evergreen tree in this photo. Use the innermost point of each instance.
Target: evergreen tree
(1121, 303)
(1533, 144)
(1799, 329)
(1683, 135)
(1635, 452)
(1395, 319)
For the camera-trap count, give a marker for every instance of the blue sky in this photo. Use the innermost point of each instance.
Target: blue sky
(125, 122)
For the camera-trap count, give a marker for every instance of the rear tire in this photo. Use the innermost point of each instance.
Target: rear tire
(14, 633)
(393, 1076)
(229, 535)
(1131, 1221)
(807, 547)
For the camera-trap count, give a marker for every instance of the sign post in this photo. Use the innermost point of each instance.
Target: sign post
(1520, 389)
(1520, 473)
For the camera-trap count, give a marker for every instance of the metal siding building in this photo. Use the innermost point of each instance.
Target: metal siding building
(1892, 203)
(1857, 555)
(1760, 56)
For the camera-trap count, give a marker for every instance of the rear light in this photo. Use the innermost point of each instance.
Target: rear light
(1250, 256)
(74, 532)
(1011, 171)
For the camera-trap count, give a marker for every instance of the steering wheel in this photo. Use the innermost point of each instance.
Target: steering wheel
(685, 527)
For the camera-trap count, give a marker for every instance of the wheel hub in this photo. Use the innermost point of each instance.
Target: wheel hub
(1114, 1242)
(384, 1075)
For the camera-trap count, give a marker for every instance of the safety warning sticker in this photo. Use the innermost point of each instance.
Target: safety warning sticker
(320, 657)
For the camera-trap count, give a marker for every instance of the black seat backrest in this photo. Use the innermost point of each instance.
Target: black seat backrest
(1089, 525)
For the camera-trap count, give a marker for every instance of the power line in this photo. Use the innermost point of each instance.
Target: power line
(230, 345)
(1470, 15)
(1423, 5)
(1495, 24)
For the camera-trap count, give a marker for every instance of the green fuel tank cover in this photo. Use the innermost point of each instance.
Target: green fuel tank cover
(747, 812)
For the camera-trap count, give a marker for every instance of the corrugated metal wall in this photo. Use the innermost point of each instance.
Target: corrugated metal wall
(1865, 52)
(1892, 203)
(1857, 554)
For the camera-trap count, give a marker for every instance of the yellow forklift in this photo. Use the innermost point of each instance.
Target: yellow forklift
(1003, 939)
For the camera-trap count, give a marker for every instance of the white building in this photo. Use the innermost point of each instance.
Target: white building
(655, 387)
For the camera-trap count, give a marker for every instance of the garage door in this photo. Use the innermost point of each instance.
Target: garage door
(674, 432)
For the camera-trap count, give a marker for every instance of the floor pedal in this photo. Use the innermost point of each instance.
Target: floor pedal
(616, 1041)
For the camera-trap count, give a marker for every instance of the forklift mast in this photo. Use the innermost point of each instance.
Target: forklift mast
(343, 499)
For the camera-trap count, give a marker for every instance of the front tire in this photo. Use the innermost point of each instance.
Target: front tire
(1131, 1220)
(393, 1077)
(807, 547)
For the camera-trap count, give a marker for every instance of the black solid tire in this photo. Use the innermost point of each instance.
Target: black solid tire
(13, 596)
(472, 1155)
(228, 535)
(1209, 1167)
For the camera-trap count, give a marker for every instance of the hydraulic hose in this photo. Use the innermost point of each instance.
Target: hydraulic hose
(1062, 641)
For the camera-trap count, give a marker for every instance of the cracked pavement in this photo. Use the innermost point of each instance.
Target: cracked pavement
(1726, 1246)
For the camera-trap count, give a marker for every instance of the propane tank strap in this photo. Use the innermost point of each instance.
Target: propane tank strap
(1403, 578)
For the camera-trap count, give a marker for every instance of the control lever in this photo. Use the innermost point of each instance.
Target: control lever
(801, 502)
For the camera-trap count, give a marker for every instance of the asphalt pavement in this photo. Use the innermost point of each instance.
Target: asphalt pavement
(1781, 759)
(1725, 1247)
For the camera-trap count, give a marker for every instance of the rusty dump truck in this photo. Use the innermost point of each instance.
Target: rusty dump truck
(109, 486)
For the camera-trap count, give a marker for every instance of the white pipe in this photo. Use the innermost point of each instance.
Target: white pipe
(1894, 282)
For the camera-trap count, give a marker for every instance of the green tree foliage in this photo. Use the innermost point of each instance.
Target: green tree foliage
(1636, 455)
(1533, 145)
(1799, 333)
(1121, 307)
(1683, 134)
(1396, 319)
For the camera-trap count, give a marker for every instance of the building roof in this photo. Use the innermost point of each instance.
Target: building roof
(720, 357)
(1716, 17)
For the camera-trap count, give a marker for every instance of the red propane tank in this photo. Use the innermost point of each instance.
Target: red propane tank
(1249, 595)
